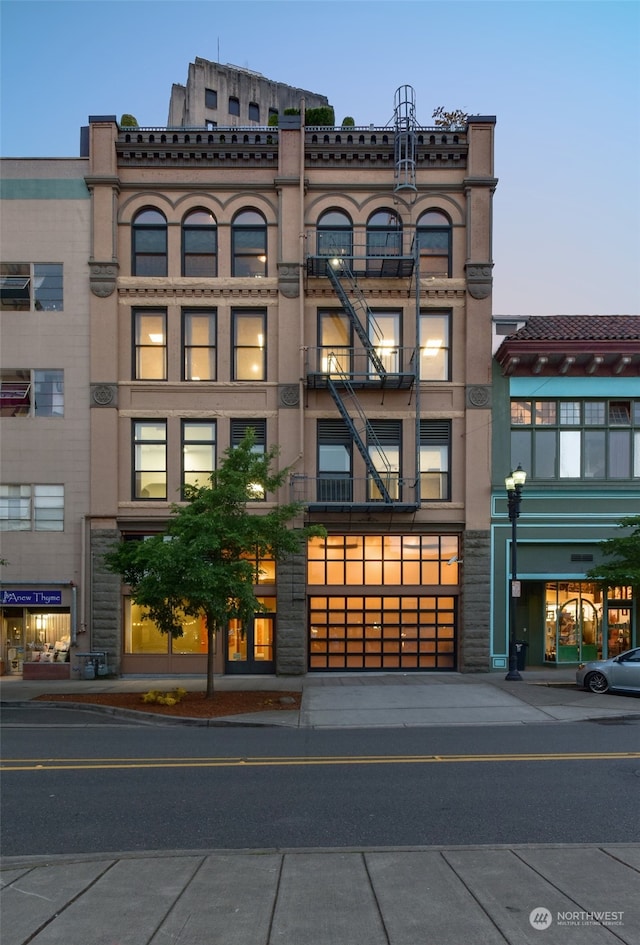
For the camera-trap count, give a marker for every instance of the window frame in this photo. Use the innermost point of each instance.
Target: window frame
(25, 394)
(423, 231)
(204, 441)
(37, 506)
(435, 434)
(139, 349)
(28, 286)
(253, 258)
(445, 316)
(187, 258)
(591, 436)
(237, 315)
(188, 348)
(157, 259)
(137, 444)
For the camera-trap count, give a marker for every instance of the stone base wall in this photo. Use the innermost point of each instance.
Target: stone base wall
(106, 607)
(475, 612)
(291, 634)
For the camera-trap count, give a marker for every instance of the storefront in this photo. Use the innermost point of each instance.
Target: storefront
(37, 626)
(581, 625)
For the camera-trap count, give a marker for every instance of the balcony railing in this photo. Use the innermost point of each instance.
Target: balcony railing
(337, 491)
(353, 366)
(380, 254)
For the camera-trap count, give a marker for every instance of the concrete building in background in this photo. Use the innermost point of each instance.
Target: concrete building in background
(229, 96)
(44, 410)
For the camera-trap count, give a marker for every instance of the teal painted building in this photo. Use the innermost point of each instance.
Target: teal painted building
(566, 407)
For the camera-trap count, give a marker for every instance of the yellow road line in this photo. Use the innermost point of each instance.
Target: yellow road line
(71, 764)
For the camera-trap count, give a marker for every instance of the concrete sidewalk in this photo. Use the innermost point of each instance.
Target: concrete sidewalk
(521, 895)
(376, 699)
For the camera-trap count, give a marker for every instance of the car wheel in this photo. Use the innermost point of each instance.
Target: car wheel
(597, 682)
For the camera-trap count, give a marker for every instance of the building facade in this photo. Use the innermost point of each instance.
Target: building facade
(44, 409)
(331, 289)
(229, 96)
(567, 409)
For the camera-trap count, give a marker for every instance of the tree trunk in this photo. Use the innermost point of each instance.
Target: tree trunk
(211, 635)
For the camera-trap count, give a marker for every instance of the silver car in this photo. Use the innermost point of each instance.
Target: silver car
(620, 673)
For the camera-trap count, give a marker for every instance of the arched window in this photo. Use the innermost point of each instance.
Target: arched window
(434, 241)
(199, 244)
(335, 234)
(149, 244)
(384, 234)
(249, 244)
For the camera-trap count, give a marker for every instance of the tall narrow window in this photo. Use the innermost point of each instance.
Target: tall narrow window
(150, 345)
(335, 340)
(384, 239)
(335, 482)
(48, 508)
(198, 452)
(385, 449)
(335, 234)
(199, 345)
(234, 105)
(150, 459)
(254, 111)
(238, 431)
(48, 388)
(434, 242)
(199, 245)
(435, 446)
(384, 335)
(210, 98)
(149, 244)
(435, 361)
(249, 346)
(249, 244)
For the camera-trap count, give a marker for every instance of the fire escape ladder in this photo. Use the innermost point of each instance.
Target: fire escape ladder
(352, 308)
(362, 433)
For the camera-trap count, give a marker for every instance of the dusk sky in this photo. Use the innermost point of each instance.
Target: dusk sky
(562, 78)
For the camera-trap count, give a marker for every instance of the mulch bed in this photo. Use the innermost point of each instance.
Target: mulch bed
(194, 705)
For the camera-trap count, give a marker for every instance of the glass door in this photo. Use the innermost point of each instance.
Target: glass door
(250, 650)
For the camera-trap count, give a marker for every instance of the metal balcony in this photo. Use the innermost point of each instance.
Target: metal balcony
(337, 492)
(355, 367)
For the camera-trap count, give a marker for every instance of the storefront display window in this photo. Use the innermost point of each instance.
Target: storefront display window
(581, 625)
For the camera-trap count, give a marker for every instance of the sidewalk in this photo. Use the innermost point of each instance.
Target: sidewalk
(521, 895)
(481, 895)
(376, 699)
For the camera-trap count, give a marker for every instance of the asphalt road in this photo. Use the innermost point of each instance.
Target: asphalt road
(83, 783)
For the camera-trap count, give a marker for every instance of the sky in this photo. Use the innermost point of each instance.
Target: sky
(562, 78)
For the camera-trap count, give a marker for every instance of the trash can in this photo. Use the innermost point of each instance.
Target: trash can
(521, 653)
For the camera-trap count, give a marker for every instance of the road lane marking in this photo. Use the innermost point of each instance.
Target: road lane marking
(101, 764)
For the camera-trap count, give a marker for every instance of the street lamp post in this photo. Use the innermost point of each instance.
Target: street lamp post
(514, 484)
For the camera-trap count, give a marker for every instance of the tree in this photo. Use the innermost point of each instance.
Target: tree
(203, 564)
(128, 121)
(452, 121)
(624, 569)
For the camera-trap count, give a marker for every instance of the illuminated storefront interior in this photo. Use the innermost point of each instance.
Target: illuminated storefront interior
(582, 624)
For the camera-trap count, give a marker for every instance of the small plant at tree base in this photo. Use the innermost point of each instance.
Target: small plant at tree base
(155, 697)
(452, 121)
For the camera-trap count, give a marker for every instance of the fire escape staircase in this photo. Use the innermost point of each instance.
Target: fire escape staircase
(354, 416)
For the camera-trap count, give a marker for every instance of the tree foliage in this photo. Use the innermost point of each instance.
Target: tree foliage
(128, 121)
(624, 550)
(454, 120)
(203, 564)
